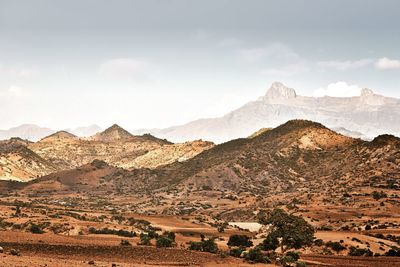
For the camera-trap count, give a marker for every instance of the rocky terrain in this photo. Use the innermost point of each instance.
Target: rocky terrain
(346, 188)
(19, 163)
(24, 160)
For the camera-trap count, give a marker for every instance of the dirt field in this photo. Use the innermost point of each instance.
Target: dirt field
(54, 250)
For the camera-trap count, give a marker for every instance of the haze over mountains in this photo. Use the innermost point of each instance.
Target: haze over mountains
(366, 116)
(23, 160)
(34, 132)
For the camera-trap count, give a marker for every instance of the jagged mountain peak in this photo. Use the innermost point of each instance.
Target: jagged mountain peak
(280, 91)
(366, 92)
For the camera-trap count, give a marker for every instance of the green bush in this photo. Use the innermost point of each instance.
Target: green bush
(206, 245)
(393, 252)
(107, 231)
(318, 242)
(240, 241)
(36, 229)
(170, 235)
(164, 242)
(301, 264)
(144, 240)
(271, 242)
(152, 233)
(255, 255)
(236, 252)
(125, 243)
(336, 246)
(378, 195)
(360, 252)
(295, 255)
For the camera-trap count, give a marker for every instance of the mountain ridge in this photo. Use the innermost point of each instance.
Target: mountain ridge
(369, 114)
(295, 155)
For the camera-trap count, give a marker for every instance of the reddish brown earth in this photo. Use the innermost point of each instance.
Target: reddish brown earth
(348, 189)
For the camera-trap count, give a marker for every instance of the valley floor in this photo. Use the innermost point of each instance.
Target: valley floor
(54, 250)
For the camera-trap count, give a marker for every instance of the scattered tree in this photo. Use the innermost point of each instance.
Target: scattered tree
(293, 231)
(271, 242)
(255, 255)
(164, 242)
(205, 245)
(240, 241)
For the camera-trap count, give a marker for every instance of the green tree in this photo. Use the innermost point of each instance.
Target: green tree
(205, 245)
(255, 255)
(271, 242)
(164, 242)
(293, 231)
(240, 241)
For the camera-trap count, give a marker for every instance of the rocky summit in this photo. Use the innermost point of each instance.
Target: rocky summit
(367, 115)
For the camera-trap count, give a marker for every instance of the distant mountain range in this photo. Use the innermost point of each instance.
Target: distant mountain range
(34, 133)
(22, 160)
(364, 116)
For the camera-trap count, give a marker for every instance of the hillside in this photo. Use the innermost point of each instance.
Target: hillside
(17, 162)
(116, 146)
(296, 156)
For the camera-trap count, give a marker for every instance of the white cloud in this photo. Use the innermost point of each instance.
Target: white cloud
(345, 65)
(125, 68)
(13, 91)
(387, 64)
(18, 72)
(287, 70)
(338, 89)
(274, 51)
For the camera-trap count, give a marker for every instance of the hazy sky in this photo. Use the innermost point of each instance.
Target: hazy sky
(150, 63)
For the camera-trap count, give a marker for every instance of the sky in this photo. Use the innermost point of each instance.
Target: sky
(158, 63)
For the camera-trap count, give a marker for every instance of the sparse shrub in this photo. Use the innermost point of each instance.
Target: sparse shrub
(125, 242)
(236, 252)
(205, 245)
(378, 195)
(318, 242)
(144, 240)
(164, 242)
(287, 260)
(335, 246)
(271, 242)
(255, 255)
(295, 255)
(393, 252)
(170, 235)
(360, 252)
(152, 233)
(301, 264)
(36, 229)
(108, 231)
(240, 241)
(206, 188)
